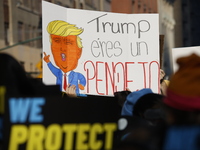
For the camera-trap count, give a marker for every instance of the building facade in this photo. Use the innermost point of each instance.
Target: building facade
(187, 23)
(178, 26)
(167, 28)
(21, 28)
(145, 6)
(125, 6)
(134, 6)
(165, 9)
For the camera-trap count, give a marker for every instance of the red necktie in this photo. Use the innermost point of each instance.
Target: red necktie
(65, 82)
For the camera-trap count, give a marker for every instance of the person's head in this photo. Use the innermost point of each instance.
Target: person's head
(13, 76)
(120, 96)
(149, 108)
(182, 102)
(131, 99)
(147, 102)
(66, 45)
(144, 104)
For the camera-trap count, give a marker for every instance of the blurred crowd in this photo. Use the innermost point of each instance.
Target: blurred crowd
(166, 121)
(169, 120)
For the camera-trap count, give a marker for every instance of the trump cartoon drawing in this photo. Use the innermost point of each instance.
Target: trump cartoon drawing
(66, 48)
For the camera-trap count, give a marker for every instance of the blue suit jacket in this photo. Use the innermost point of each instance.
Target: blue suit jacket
(74, 78)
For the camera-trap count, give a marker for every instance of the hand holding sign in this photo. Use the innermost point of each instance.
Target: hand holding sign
(71, 91)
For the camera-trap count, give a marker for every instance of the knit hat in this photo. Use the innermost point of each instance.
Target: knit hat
(183, 92)
(131, 99)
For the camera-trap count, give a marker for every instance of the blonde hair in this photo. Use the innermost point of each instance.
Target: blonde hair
(62, 28)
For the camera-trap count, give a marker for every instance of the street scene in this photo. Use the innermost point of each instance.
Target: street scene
(99, 75)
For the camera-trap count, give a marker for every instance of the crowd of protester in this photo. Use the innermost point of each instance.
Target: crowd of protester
(169, 120)
(166, 121)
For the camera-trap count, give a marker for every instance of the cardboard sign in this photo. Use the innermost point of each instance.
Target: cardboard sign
(105, 52)
(45, 123)
(182, 52)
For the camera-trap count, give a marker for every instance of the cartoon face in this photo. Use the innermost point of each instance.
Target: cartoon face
(65, 51)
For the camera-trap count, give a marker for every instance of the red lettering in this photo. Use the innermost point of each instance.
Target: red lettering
(118, 75)
(107, 72)
(105, 78)
(126, 77)
(87, 73)
(158, 65)
(144, 70)
(97, 79)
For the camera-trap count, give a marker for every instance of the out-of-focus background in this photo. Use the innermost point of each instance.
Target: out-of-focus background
(21, 25)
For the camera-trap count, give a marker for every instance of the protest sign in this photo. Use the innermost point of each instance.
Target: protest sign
(182, 52)
(45, 123)
(112, 51)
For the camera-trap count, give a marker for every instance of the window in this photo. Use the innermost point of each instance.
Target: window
(36, 5)
(30, 34)
(6, 32)
(6, 22)
(74, 4)
(20, 31)
(26, 3)
(33, 43)
(39, 42)
(5, 2)
(81, 5)
(27, 35)
(31, 66)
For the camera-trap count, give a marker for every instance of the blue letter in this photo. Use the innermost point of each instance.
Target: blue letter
(19, 109)
(35, 111)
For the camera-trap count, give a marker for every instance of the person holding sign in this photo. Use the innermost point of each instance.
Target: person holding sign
(163, 83)
(182, 106)
(66, 48)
